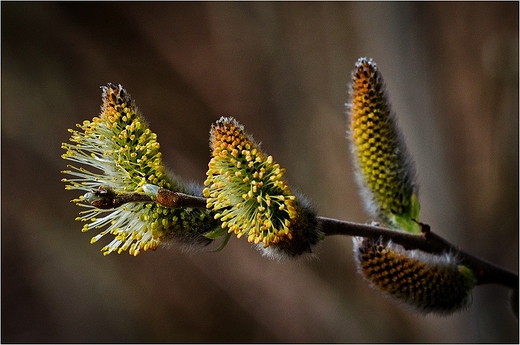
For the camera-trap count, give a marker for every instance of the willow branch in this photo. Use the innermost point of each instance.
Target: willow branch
(428, 241)
(105, 198)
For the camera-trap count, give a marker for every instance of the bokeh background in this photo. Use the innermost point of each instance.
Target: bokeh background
(282, 70)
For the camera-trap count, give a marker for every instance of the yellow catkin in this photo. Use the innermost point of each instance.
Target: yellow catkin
(124, 154)
(248, 189)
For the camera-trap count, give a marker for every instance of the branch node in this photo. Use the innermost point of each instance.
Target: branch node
(425, 229)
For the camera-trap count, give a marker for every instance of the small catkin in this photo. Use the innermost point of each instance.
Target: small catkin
(424, 282)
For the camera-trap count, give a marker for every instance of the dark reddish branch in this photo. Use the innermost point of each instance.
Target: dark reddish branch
(107, 199)
(428, 241)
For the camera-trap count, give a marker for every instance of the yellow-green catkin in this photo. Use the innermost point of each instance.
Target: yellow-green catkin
(425, 283)
(117, 151)
(247, 192)
(384, 169)
(386, 176)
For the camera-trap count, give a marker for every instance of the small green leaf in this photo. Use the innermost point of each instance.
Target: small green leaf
(217, 233)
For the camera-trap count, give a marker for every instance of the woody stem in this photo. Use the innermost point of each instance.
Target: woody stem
(428, 241)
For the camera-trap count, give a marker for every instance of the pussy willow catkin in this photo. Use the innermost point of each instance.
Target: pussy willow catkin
(424, 282)
(384, 170)
(117, 152)
(247, 192)
(386, 176)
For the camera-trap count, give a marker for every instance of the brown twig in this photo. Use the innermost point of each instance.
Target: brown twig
(105, 198)
(428, 241)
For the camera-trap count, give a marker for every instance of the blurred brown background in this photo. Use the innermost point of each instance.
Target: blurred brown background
(282, 70)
